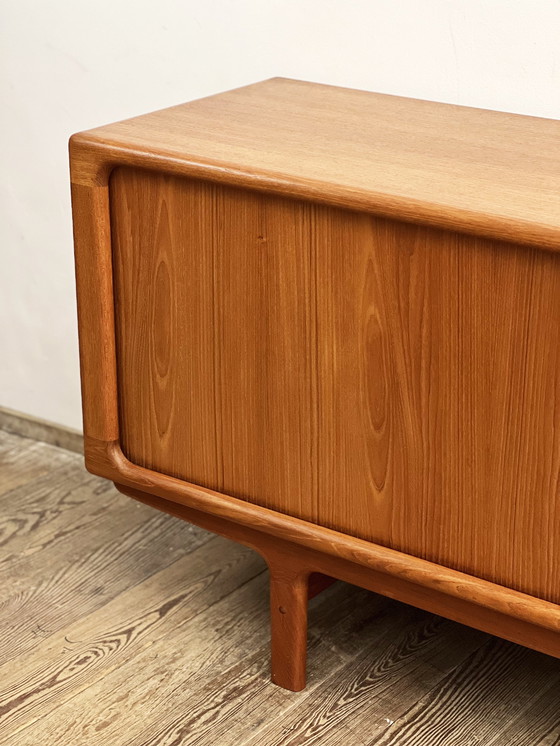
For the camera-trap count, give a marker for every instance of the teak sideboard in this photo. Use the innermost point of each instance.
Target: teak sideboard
(326, 323)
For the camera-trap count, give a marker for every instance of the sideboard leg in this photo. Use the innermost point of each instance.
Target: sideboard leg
(288, 617)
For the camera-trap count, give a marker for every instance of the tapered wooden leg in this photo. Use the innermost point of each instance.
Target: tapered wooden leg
(288, 617)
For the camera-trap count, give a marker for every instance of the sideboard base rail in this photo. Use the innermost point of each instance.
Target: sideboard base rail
(292, 567)
(295, 549)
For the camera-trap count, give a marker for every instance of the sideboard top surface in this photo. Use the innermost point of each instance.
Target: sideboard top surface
(484, 172)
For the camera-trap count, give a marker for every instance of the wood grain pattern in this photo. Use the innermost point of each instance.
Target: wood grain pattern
(72, 549)
(289, 590)
(178, 654)
(371, 392)
(360, 701)
(188, 653)
(37, 517)
(491, 678)
(392, 382)
(486, 606)
(20, 465)
(454, 167)
(346, 627)
(88, 649)
(337, 555)
(94, 286)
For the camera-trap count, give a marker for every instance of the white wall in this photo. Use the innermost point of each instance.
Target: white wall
(68, 65)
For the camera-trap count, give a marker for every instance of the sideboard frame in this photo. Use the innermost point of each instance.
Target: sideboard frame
(295, 550)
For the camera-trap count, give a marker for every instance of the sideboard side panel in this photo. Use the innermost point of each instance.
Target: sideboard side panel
(395, 382)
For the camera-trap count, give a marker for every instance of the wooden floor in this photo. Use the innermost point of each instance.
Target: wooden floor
(120, 626)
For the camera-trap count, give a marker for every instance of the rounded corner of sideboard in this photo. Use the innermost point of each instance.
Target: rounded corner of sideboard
(90, 164)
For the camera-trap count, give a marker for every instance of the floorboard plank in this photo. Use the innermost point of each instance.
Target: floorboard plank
(82, 654)
(109, 710)
(63, 502)
(224, 661)
(23, 460)
(478, 700)
(542, 712)
(385, 677)
(121, 626)
(44, 591)
(227, 704)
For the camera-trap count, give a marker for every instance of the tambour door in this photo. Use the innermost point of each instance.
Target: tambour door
(395, 382)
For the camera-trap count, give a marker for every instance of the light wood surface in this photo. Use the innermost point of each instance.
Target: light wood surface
(293, 569)
(289, 592)
(366, 321)
(387, 381)
(488, 172)
(94, 285)
(18, 466)
(525, 619)
(172, 648)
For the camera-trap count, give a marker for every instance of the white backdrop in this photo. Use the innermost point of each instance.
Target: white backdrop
(68, 65)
